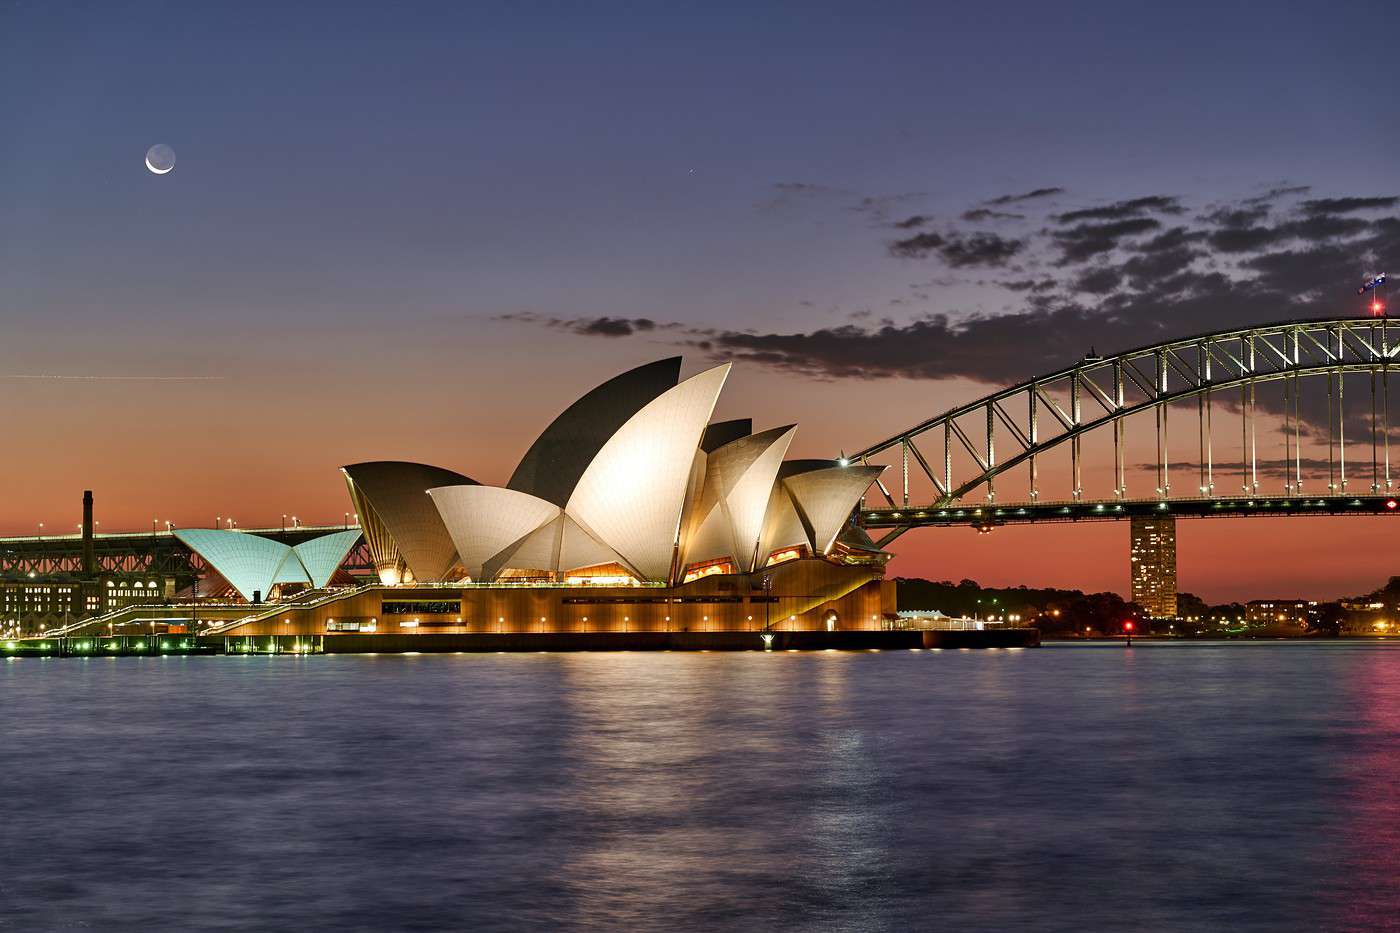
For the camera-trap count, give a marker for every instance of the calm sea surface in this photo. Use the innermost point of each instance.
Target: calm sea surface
(1241, 786)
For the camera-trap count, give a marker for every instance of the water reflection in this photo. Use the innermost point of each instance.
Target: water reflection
(1067, 788)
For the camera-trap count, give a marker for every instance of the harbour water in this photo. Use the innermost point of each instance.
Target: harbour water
(1249, 786)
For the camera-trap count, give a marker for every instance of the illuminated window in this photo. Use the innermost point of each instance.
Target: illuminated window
(701, 571)
(782, 556)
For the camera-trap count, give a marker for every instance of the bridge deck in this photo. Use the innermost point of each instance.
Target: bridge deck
(991, 514)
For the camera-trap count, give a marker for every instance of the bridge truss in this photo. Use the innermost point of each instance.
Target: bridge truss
(948, 466)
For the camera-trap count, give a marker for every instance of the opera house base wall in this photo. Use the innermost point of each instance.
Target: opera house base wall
(894, 640)
(799, 596)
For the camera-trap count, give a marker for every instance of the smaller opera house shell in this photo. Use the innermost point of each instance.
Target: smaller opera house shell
(632, 511)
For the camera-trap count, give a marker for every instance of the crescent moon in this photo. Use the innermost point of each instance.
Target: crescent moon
(158, 171)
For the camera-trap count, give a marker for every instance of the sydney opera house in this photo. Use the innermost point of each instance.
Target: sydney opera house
(632, 512)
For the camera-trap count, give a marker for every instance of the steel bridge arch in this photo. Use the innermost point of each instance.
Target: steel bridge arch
(1156, 376)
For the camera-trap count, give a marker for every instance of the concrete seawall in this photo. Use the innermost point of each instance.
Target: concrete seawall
(126, 645)
(682, 641)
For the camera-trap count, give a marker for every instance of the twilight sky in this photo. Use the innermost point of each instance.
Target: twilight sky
(420, 232)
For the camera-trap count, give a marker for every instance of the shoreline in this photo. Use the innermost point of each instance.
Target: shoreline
(849, 640)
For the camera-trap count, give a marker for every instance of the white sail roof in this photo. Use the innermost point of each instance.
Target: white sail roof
(824, 493)
(551, 468)
(290, 570)
(486, 520)
(739, 479)
(253, 565)
(249, 563)
(631, 495)
(560, 546)
(782, 527)
(322, 556)
(398, 492)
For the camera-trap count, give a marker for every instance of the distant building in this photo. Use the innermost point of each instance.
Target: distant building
(1265, 611)
(1153, 556)
(36, 604)
(42, 600)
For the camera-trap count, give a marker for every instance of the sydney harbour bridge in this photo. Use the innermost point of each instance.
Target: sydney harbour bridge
(1286, 419)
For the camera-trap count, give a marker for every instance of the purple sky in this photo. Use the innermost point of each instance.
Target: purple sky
(421, 233)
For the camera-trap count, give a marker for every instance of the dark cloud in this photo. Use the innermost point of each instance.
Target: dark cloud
(1239, 229)
(1227, 470)
(1159, 262)
(1347, 205)
(910, 223)
(801, 187)
(792, 195)
(1171, 240)
(1029, 285)
(1320, 269)
(1115, 284)
(1161, 269)
(1245, 239)
(1274, 194)
(603, 326)
(1325, 227)
(1243, 229)
(980, 214)
(1136, 207)
(930, 348)
(959, 251)
(1167, 288)
(613, 326)
(1099, 281)
(1237, 216)
(879, 207)
(1026, 196)
(1086, 241)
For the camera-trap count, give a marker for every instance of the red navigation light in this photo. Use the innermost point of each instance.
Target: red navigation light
(1391, 504)
(1127, 626)
(1377, 308)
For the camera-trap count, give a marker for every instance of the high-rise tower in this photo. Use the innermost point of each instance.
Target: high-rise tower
(1153, 561)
